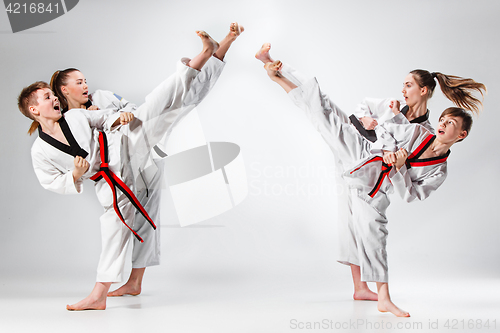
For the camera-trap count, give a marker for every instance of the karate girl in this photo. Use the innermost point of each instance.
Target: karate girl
(367, 166)
(71, 88)
(67, 151)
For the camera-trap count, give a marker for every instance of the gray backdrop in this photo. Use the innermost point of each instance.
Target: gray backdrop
(287, 224)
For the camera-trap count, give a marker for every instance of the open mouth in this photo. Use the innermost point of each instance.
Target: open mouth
(440, 131)
(86, 94)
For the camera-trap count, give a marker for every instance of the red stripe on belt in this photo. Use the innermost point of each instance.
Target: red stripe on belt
(383, 173)
(115, 182)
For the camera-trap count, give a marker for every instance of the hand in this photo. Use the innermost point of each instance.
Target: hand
(81, 166)
(126, 117)
(401, 156)
(389, 157)
(395, 106)
(368, 122)
(93, 107)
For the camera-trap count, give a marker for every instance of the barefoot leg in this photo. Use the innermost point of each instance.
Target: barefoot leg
(133, 285)
(210, 46)
(263, 54)
(234, 31)
(272, 69)
(384, 301)
(361, 290)
(95, 301)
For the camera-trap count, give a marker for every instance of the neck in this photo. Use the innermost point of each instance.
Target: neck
(75, 105)
(49, 126)
(418, 110)
(440, 148)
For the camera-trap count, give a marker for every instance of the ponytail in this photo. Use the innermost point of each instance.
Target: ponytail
(457, 89)
(33, 128)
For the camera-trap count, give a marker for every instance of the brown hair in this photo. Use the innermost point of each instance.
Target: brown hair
(459, 113)
(28, 98)
(457, 89)
(59, 79)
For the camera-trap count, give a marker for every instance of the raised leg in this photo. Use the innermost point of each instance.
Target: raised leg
(273, 71)
(234, 31)
(210, 46)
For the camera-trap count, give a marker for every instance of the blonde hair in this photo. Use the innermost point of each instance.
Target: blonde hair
(457, 89)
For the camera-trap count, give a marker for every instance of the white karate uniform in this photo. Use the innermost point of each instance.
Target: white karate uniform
(378, 109)
(129, 148)
(363, 171)
(148, 193)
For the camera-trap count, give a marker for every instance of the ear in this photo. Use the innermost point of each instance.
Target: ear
(462, 135)
(34, 110)
(424, 91)
(64, 89)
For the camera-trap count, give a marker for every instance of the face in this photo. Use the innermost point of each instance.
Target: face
(76, 89)
(412, 92)
(48, 105)
(450, 129)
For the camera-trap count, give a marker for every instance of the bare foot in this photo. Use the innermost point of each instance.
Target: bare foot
(87, 304)
(209, 44)
(387, 306)
(95, 301)
(126, 289)
(263, 54)
(365, 295)
(235, 30)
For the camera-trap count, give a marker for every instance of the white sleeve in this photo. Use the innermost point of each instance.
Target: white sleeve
(411, 190)
(385, 141)
(376, 108)
(101, 119)
(105, 99)
(52, 178)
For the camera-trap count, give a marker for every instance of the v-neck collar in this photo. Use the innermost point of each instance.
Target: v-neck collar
(73, 149)
(414, 160)
(417, 120)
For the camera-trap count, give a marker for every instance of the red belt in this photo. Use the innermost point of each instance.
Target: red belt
(115, 182)
(386, 168)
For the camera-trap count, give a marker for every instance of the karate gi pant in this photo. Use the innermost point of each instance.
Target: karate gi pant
(164, 106)
(361, 224)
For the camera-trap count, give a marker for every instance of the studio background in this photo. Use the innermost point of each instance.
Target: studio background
(278, 246)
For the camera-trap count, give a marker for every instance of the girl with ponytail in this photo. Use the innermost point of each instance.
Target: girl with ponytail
(418, 88)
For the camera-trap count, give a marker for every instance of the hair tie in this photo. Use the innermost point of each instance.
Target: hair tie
(434, 75)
